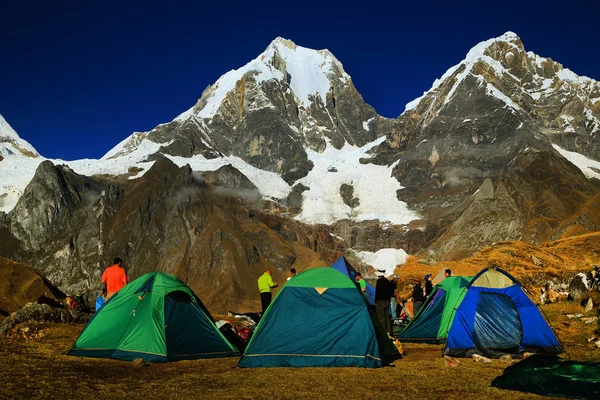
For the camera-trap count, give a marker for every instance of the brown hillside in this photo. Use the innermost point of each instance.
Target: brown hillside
(21, 284)
(560, 258)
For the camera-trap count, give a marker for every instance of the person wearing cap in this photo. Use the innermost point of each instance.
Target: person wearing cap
(428, 285)
(417, 296)
(382, 300)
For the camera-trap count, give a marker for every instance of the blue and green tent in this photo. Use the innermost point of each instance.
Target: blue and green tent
(496, 317)
(434, 319)
(342, 265)
(157, 318)
(319, 319)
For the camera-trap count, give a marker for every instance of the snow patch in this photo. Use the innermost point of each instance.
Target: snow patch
(323, 203)
(493, 91)
(586, 165)
(386, 259)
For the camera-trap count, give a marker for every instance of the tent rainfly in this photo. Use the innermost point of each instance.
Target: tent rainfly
(157, 318)
(319, 319)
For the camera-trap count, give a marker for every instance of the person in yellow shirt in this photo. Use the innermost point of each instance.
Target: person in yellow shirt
(265, 284)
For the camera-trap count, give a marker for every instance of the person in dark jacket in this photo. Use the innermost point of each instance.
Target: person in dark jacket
(428, 285)
(382, 301)
(417, 297)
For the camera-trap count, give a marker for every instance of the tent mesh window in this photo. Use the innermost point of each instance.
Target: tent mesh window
(497, 325)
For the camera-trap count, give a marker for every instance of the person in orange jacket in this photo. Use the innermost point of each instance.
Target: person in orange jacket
(114, 278)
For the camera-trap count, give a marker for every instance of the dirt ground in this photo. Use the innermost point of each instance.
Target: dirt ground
(39, 368)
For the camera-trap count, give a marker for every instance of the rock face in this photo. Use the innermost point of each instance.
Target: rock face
(198, 227)
(269, 112)
(477, 153)
(21, 284)
(483, 156)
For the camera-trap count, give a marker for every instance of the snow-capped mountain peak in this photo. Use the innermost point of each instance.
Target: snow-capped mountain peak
(307, 72)
(11, 142)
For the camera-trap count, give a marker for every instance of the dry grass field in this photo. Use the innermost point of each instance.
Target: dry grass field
(39, 368)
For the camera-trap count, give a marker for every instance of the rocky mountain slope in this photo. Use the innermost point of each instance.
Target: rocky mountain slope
(21, 284)
(281, 163)
(203, 228)
(479, 153)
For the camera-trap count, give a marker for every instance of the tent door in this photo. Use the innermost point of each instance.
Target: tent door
(497, 325)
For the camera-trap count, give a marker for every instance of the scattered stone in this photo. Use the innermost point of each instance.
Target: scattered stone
(138, 363)
(589, 305)
(562, 297)
(481, 359)
(536, 261)
(506, 359)
(591, 339)
(428, 261)
(571, 316)
(451, 362)
(552, 296)
(589, 320)
(33, 312)
(597, 344)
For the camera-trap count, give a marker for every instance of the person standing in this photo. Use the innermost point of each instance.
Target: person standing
(361, 283)
(428, 285)
(417, 297)
(114, 278)
(447, 272)
(382, 301)
(393, 288)
(265, 285)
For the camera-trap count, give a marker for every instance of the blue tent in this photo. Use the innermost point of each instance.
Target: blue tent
(319, 319)
(496, 317)
(342, 265)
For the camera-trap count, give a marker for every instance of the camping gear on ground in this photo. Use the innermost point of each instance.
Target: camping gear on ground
(251, 318)
(496, 317)
(319, 319)
(434, 319)
(157, 318)
(99, 302)
(551, 376)
(77, 302)
(342, 265)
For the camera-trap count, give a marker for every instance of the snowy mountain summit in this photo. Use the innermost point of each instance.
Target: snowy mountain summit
(269, 112)
(292, 121)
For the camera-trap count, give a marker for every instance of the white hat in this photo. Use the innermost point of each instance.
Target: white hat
(381, 272)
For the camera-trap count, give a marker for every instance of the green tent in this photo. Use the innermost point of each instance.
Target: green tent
(552, 376)
(432, 322)
(319, 319)
(157, 318)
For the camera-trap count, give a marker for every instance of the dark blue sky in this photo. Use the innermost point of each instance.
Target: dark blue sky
(78, 77)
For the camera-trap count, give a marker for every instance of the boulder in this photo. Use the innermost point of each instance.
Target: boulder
(552, 296)
(506, 359)
(578, 287)
(451, 362)
(481, 359)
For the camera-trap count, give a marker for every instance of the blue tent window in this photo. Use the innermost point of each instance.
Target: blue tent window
(147, 286)
(497, 325)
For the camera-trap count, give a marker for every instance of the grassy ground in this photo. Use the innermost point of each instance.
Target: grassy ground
(38, 368)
